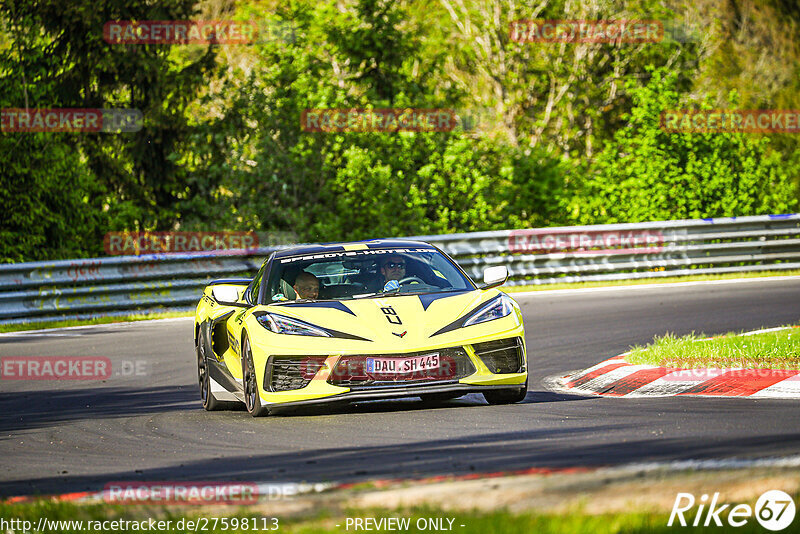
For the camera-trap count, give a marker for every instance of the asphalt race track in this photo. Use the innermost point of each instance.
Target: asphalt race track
(145, 422)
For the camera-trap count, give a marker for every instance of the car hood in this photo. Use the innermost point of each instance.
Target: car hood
(410, 318)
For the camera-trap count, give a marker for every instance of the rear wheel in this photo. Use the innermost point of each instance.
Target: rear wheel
(210, 402)
(251, 397)
(506, 396)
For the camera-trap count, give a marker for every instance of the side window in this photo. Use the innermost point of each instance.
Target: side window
(443, 271)
(252, 289)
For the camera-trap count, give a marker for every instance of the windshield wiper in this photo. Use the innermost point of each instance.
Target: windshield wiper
(398, 293)
(365, 295)
(295, 301)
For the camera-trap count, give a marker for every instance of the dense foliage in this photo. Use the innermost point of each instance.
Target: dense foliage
(565, 133)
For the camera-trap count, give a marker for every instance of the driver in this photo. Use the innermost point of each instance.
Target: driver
(393, 270)
(306, 286)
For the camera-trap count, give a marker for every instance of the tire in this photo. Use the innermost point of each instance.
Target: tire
(210, 402)
(440, 397)
(250, 381)
(506, 396)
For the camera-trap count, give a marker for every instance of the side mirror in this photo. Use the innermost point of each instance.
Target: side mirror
(494, 276)
(226, 295)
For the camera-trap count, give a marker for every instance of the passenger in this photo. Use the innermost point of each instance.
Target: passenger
(306, 286)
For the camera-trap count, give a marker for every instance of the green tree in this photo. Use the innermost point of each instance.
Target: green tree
(53, 54)
(48, 195)
(347, 185)
(647, 174)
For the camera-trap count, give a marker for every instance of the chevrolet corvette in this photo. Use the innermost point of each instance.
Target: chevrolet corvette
(358, 321)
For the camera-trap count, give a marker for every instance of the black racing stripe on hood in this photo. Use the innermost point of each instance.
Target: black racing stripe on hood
(458, 323)
(345, 335)
(334, 304)
(427, 298)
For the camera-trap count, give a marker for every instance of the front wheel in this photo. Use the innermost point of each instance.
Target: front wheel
(506, 396)
(251, 397)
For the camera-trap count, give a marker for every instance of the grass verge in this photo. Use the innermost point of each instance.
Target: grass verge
(768, 350)
(74, 519)
(616, 500)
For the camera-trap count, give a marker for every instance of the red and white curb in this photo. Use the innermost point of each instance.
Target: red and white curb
(617, 378)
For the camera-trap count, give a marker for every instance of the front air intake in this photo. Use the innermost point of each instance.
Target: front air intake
(501, 356)
(284, 373)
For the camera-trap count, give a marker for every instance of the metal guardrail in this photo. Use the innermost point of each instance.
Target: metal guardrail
(122, 285)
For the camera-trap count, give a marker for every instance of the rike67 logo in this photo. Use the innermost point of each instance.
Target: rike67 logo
(774, 510)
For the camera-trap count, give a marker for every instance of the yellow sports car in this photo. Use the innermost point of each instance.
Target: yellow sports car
(352, 321)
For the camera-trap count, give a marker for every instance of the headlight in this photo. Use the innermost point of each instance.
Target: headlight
(280, 324)
(496, 309)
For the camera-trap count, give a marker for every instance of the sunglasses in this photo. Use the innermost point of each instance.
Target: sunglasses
(393, 265)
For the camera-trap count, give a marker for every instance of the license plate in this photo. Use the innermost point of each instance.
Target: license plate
(412, 364)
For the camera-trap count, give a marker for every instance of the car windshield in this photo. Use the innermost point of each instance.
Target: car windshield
(364, 274)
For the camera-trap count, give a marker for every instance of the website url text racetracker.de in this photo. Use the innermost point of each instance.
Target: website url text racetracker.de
(198, 524)
(68, 368)
(206, 32)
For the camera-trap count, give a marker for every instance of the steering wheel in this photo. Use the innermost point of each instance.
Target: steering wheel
(409, 279)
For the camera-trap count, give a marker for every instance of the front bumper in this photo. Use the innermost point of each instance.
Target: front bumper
(485, 364)
(389, 393)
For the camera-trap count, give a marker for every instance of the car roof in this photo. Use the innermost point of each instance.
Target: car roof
(319, 248)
